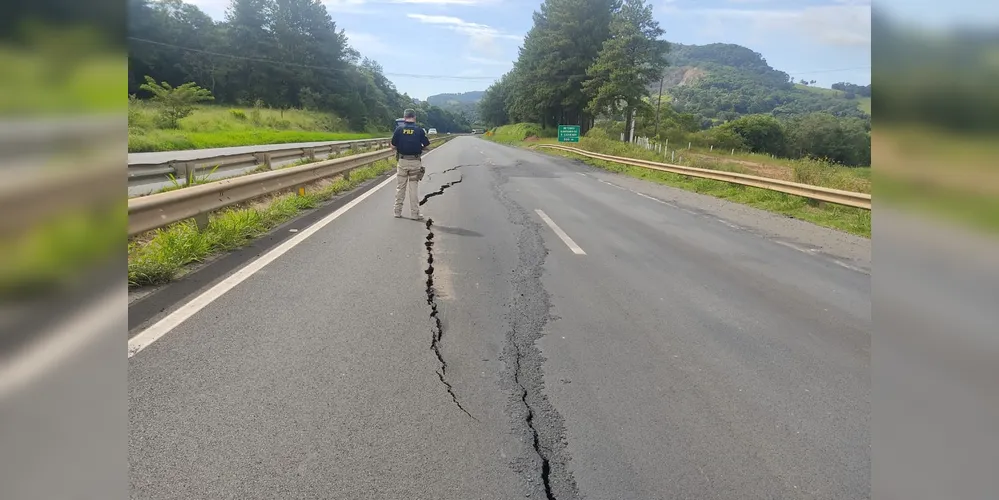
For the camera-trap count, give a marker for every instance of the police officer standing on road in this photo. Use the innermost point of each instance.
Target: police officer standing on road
(409, 141)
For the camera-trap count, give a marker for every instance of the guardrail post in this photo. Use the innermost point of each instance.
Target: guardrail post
(201, 220)
(264, 159)
(184, 170)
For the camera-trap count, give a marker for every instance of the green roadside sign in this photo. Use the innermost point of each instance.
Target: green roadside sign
(568, 133)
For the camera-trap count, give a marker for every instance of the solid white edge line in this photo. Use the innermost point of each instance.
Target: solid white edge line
(561, 234)
(154, 332)
(59, 344)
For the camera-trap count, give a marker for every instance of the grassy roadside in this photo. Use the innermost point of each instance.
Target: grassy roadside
(216, 127)
(940, 173)
(851, 220)
(163, 255)
(59, 74)
(58, 251)
(45, 84)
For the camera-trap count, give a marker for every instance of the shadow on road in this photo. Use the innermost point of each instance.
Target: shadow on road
(457, 231)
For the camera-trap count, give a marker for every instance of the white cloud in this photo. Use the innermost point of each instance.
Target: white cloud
(368, 44)
(847, 24)
(482, 38)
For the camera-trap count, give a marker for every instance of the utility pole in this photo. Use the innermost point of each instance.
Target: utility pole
(658, 103)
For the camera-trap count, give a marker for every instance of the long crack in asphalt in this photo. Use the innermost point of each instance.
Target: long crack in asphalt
(440, 191)
(444, 171)
(529, 313)
(438, 328)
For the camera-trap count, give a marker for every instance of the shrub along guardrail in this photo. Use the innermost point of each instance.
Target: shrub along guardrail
(158, 210)
(839, 197)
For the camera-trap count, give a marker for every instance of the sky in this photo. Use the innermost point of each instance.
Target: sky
(429, 47)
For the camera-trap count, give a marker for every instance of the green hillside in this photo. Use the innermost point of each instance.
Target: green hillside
(863, 103)
(720, 82)
(462, 98)
(465, 104)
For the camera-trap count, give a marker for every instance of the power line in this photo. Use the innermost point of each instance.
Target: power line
(308, 66)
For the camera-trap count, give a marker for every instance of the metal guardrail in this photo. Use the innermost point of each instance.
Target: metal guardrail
(185, 169)
(839, 197)
(154, 211)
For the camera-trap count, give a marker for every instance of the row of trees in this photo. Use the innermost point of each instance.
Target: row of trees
(596, 63)
(852, 89)
(944, 80)
(581, 59)
(820, 135)
(279, 53)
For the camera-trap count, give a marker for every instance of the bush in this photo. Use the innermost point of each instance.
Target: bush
(520, 131)
(721, 138)
(277, 123)
(238, 114)
(309, 98)
(176, 102)
(760, 133)
(598, 133)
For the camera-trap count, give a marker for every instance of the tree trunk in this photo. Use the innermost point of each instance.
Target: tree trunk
(627, 124)
(631, 125)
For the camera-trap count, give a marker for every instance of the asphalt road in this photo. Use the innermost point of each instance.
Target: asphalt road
(599, 337)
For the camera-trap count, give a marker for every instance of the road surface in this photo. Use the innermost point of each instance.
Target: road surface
(194, 154)
(584, 335)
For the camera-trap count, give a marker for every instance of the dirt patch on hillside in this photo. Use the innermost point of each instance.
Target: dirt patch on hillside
(760, 169)
(691, 75)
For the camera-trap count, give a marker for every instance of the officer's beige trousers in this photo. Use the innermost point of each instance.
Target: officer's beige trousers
(407, 174)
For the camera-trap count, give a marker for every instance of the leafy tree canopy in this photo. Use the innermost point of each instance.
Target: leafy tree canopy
(278, 53)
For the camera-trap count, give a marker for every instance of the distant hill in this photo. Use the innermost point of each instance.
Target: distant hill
(720, 82)
(463, 98)
(466, 103)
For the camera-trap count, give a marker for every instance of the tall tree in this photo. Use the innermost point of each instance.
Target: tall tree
(631, 59)
(493, 106)
(250, 32)
(281, 53)
(547, 79)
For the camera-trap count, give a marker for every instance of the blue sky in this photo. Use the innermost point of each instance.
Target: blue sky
(466, 44)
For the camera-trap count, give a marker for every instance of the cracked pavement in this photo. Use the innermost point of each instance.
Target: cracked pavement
(688, 354)
(437, 332)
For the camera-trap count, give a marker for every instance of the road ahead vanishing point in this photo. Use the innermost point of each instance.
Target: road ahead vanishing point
(555, 332)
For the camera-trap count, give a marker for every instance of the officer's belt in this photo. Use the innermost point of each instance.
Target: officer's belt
(410, 157)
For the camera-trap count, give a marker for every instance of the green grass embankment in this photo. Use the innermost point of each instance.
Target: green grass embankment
(813, 172)
(217, 127)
